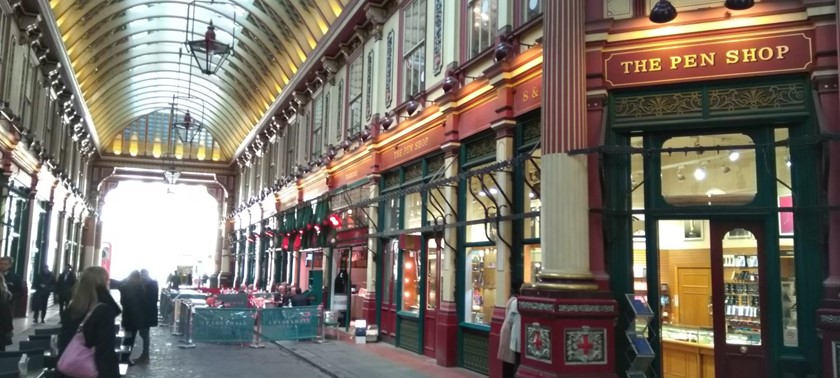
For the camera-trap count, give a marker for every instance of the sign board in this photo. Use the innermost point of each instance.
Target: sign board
(708, 60)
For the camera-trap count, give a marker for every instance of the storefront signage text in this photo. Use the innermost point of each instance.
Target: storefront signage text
(701, 61)
(405, 149)
(528, 95)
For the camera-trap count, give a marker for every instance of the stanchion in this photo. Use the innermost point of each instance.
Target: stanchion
(319, 339)
(176, 318)
(257, 340)
(188, 340)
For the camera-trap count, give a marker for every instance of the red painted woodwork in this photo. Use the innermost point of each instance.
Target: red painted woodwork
(495, 334)
(369, 309)
(353, 172)
(419, 144)
(595, 310)
(429, 333)
(446, 339)
(528, 96)
(477, 119)
(594, 122)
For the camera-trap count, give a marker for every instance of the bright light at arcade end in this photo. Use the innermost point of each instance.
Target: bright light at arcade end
(663, 11)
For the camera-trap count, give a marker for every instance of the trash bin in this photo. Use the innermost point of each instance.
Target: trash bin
(361, 331)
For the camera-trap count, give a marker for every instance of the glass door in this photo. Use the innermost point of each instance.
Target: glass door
(739, 313)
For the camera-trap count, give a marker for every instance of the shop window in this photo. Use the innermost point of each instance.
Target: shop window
(390, 271)
(413, 211)
(787, 229)
(291, 142)
(414, 56)
(354, 98)
(532, 256)
(698, 177)
(481, 192)
(411, 281)
(531, 9)
(433, 273)
(392, 215)
(481, 284)
(484, 25)
(436, 207)
(531, 195)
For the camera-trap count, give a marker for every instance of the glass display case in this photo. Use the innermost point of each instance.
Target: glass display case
(694, 335)
(482, 276)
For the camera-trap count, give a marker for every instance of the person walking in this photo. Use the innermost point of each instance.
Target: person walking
(64, 288)
(92, 299)
(509, 337)
(150, 289)
(15, 285)
(174, 280)
(44, 284)
(299, 299)
(6, 325)
(133, 300)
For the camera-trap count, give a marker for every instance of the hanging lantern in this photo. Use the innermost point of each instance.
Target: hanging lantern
(209, 53)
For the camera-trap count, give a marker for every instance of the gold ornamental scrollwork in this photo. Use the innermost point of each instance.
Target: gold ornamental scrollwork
(757, 98)
(661, 105)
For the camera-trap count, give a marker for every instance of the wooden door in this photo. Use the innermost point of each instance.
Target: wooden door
(695, 290)
(740, 318)
(389, 287)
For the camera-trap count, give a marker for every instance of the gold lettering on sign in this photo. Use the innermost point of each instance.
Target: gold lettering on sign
(351, 174)
(706, 59)
(408, 148)
(530, 94)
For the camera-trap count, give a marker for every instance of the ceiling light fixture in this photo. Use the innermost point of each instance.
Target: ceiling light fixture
(663, 11)
(700, 173)
(734, 155)
(739, 4)
(680, 175)
(209, 54)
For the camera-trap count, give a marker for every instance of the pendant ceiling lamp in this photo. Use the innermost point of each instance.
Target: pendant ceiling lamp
(208, 53)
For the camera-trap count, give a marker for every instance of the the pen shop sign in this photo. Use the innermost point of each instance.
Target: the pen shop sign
(709, 60)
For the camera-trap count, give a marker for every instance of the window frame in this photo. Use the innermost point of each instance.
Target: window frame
(468, 29)
(350, 99)
(521, 12)
(408, 52)
(291, 136)
(316, 126)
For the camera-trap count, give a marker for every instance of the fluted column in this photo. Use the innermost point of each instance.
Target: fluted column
(564, 229)
(450, 234)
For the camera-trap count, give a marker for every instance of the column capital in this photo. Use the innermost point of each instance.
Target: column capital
(450, 148)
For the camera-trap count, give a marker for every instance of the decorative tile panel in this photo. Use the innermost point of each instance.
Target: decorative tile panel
(437, 49)
(585, 346)
(757, 98)
(369, 90)
(409, 334)
(536, 306)
(389, 70)
(660, 105)
(476, 350)
(481, 148)
(538, 342)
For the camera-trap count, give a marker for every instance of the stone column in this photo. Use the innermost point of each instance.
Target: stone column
(88, 241)
(504, 239)
(369, 307)
(446, 336)
(97, 242)
(567, 324)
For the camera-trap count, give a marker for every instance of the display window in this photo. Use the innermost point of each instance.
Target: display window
(411, 281)
(481, 282)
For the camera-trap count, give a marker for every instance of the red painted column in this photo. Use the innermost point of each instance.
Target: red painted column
(568, 322)
(828, 316)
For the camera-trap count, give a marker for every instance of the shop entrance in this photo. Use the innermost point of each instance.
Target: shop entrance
(709, 295)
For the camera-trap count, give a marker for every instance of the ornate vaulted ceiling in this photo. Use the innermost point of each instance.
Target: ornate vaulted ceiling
(125, 56)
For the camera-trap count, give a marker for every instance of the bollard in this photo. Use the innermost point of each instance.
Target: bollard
(188, 340)
(176, 318)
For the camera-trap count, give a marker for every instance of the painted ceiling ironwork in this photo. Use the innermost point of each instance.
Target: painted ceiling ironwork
(127, 60)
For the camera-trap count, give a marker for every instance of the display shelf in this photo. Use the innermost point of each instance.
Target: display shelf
(640, 354)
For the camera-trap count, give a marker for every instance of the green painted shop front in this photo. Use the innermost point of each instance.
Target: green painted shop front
(734, 165)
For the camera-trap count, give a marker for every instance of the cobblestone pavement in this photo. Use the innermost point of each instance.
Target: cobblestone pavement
(214, 360)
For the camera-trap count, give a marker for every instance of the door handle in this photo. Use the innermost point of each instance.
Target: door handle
(743, 350)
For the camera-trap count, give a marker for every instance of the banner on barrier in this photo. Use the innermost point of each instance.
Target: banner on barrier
(289, 323)
(223, 325)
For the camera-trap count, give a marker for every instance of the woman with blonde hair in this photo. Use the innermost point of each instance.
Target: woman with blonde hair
(6, 317)
(92, 300)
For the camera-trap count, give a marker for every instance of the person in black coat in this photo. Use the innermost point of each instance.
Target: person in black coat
(44, 284)
(150, 289)
(92, 296)
(6, 325)
(299, 299)
(14, 283)
(135, 310)
(64, 288)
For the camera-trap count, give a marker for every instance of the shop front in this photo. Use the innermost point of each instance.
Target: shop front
(411, 254)
(713, 197)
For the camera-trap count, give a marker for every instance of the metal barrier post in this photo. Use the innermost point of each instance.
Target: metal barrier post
(176, 318)
(257, 341)
(188, 339)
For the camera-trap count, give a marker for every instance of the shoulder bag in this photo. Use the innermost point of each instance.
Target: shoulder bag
(77, 361)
